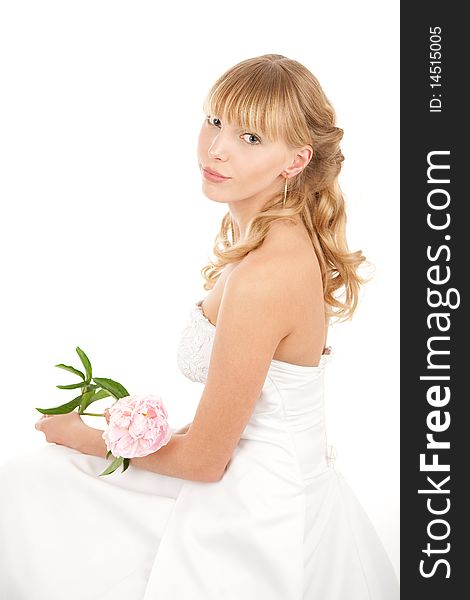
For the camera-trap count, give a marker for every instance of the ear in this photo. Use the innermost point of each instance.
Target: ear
(301, 159)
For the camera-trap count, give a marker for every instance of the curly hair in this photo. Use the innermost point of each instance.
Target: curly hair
(282, 98)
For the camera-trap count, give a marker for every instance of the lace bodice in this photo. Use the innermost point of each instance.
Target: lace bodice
(196, 342)
(195, 345)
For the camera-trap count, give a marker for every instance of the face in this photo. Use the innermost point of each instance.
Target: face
(253, 165)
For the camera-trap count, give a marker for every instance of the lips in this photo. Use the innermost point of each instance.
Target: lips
(212, 172)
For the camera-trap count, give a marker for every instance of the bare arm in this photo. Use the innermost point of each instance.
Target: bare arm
(175, 459)
(250, 324)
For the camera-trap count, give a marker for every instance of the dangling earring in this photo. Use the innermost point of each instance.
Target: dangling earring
(285, 194)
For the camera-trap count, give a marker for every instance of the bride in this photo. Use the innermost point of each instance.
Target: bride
(244, 501)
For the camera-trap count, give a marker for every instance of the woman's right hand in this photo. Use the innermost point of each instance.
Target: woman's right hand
(106, 415)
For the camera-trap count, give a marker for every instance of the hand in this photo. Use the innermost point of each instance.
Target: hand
(62, 429)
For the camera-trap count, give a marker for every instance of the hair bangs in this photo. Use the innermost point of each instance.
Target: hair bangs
(254, 101)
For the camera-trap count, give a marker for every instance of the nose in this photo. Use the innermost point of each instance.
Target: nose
(218, 148)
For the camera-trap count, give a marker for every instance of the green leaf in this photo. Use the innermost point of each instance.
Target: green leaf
(86, 363)
(125, 464)
(89, 386)
(87, 399)
(117, 462)
(101, 394)
(109, 453)
(113, 387)
(71, 386)
(72, 370)
(63, 409)
(91, 396)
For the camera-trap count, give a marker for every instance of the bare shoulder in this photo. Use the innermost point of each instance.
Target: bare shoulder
(254, 292)
(283, 272)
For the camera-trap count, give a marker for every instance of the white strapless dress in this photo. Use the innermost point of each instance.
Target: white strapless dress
(282, 523)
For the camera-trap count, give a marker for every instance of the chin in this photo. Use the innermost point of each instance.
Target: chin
(214, 198)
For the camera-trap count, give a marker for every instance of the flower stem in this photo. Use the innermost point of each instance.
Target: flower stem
(93, 414)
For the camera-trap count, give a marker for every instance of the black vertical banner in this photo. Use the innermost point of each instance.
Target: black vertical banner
(435, 266)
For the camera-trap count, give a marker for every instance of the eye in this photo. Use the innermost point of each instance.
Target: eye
(209, 119)
(251, 135)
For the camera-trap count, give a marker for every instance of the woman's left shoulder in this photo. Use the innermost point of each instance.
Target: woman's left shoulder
(279, 270)
(286, 251)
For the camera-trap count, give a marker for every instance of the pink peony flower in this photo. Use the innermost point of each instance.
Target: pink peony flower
(137, 426)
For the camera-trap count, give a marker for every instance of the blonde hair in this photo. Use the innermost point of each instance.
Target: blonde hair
(281, 98)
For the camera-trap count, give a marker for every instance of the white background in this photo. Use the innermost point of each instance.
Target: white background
(104, 228)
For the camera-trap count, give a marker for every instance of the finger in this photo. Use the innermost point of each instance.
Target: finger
(38, 424)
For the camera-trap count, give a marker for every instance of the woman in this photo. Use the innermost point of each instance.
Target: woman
(244, 501)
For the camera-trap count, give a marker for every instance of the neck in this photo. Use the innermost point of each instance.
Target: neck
(243, 211)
